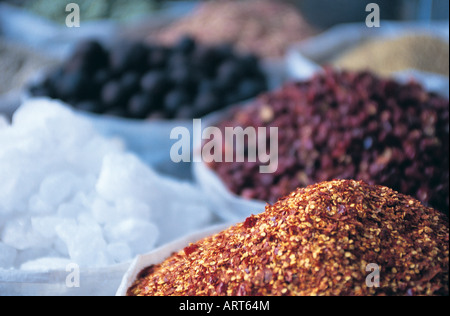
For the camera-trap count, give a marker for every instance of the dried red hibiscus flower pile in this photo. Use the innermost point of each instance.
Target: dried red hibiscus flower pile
(347, 125)
(318, 240)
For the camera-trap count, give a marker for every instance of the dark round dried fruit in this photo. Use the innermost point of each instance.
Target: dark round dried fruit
(205, 103)
(113, 94)
(130, 82)
(183, 77)
(119, 80)
(139, 105)
(229, 73)
(73, 83)
(185, 45)
(129, 56)
(89, 55)
(155, 82)
(173, 100)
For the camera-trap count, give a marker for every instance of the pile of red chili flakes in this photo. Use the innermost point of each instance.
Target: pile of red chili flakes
(318, 240)
(347, 125)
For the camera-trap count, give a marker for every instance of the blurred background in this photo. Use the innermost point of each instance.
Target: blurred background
(33, 34)
(324, 13)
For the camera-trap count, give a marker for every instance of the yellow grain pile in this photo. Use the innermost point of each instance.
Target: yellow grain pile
(385, 56)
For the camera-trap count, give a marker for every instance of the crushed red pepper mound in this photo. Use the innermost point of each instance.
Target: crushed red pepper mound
(340, 237)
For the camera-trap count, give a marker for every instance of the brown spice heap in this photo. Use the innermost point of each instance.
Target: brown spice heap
(316, 241)
(263, 27)
(385, 56)
(347, 125)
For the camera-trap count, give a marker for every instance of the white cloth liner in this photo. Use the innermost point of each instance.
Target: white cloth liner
(159, 255)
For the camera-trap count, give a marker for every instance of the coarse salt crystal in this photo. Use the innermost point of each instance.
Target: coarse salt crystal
(70, 195)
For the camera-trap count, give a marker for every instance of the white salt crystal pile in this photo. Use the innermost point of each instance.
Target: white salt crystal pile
(69, 195)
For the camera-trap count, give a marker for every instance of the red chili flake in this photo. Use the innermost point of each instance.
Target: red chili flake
(190, 249)
(250, 221)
